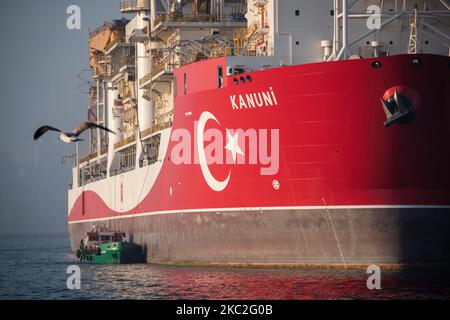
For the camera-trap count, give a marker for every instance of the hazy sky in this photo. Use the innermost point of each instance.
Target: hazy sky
(40, 59)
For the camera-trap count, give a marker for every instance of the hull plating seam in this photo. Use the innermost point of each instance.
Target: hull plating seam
(210, 210)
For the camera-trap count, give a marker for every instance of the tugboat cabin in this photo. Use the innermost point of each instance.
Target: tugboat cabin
(95, 237)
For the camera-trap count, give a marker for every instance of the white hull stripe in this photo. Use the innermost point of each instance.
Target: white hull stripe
(252, 209)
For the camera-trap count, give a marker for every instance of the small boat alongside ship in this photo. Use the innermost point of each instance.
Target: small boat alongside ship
(108, 247)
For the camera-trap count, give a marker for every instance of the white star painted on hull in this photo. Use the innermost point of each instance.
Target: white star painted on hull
(233, 145)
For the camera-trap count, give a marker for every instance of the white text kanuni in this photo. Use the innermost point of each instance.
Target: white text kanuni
(253, 100)
(232, 146)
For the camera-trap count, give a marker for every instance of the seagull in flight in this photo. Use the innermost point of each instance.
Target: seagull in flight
(69, 137)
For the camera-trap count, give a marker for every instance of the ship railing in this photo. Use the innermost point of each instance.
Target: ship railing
(173, 39)
(195, 18)
(117, 171)
(145, 79)
(124, 142)
(127, 160)
(158, 68)
(159, 19)
(100, 65)
(159, 64)
(120, 39)
(127, 6)
(219, 50)
(159, 127)
(185, 18)
(88, 178)
(93, 155)
(87, 158)
(151, 146)
(120, 63)
(91, 173)
(94, 178)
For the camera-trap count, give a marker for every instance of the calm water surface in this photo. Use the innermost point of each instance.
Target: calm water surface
(35, 268)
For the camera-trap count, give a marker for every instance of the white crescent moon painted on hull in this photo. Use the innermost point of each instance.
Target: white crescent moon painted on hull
(212, 182)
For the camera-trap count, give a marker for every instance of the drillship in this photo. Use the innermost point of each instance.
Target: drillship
(270, 133)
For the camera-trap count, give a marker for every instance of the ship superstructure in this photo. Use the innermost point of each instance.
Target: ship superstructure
(347, 99)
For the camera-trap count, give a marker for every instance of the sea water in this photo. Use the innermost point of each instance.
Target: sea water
(35, 267)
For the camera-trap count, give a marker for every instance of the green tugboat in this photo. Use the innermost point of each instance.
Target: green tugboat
(108, 247)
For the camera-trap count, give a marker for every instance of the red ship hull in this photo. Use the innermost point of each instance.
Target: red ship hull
(346, 189)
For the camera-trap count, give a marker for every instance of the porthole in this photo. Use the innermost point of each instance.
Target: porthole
(376, 64)
(416, 62)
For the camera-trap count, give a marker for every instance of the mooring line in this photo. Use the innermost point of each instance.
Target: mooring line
(334, 231)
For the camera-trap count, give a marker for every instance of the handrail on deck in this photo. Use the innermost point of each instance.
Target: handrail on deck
(124, 142)
(132, 5)
(93, 155)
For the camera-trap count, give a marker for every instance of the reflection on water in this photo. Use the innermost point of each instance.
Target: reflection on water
(35, 268)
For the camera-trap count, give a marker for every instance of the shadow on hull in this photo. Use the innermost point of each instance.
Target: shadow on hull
(291, 238)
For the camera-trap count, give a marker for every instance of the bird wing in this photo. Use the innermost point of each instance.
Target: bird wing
(40, 131)
(89, 125)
